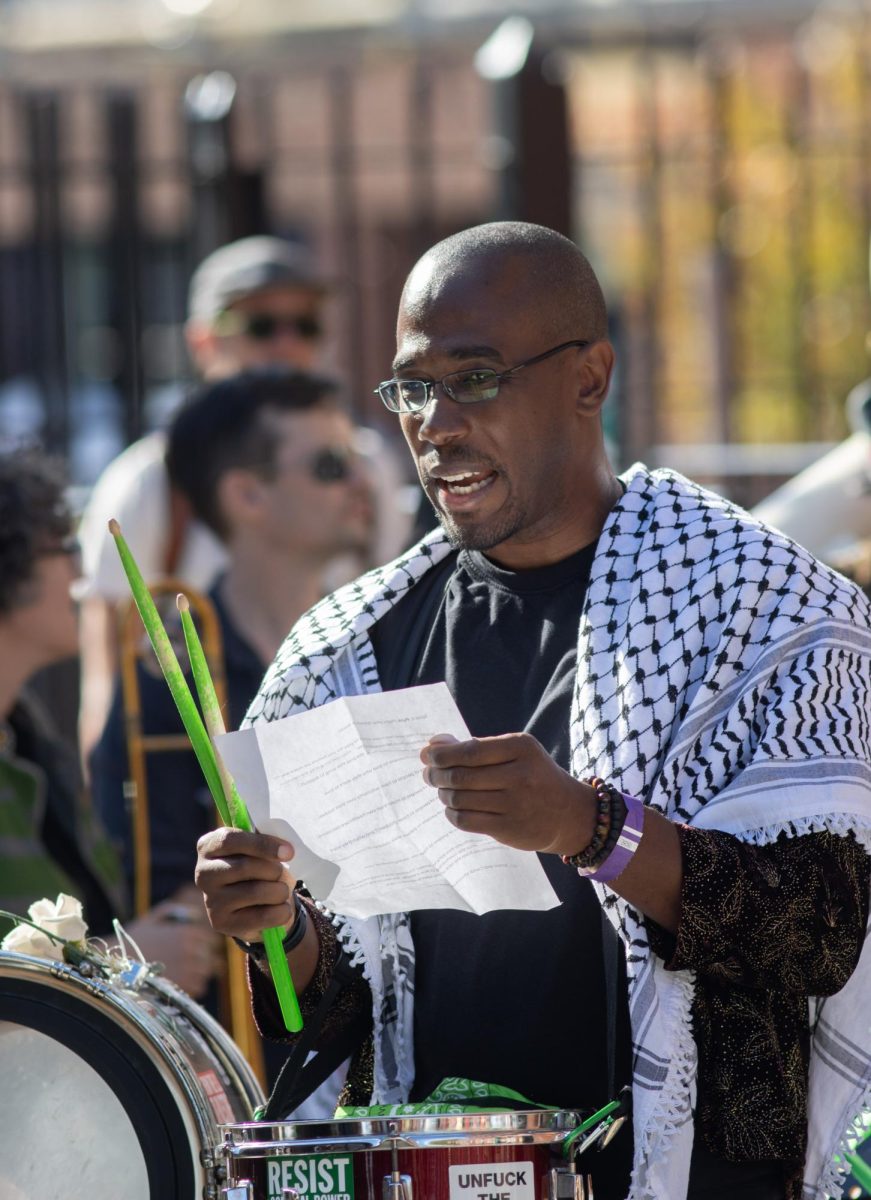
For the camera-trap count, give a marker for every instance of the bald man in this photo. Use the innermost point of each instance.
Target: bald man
(668, 703)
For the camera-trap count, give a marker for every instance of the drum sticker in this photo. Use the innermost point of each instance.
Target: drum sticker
(314, 1176)
(217, 1097)
(493, 1181)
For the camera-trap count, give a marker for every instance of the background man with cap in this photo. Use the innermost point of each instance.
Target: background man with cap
(252, 303)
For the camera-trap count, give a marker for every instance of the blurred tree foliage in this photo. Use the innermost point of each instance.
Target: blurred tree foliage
(724, 190)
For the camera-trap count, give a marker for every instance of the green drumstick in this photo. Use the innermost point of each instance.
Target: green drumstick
(203, 749)
(172, 673)
(861, 1170)
(272, 938)
(238, 813)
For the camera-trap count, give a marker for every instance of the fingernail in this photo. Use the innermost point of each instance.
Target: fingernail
(285, 852)
(442, 737)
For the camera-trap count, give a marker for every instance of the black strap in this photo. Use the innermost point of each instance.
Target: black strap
(297, 1079)
(610, 952)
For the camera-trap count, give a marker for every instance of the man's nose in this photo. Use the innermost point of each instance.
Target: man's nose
(443, 419)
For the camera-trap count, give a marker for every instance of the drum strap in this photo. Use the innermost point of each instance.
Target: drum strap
(298, 1078)
(610, 951)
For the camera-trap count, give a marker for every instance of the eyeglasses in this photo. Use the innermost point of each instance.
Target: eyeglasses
(332, 466)
(466, 387)
(263, 327)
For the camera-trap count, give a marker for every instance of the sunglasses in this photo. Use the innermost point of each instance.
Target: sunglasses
(331, 466)
(264, 327)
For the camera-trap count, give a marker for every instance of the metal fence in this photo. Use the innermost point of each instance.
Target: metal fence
(720, 180)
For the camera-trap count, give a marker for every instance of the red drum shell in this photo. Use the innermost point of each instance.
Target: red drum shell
(365, 1152)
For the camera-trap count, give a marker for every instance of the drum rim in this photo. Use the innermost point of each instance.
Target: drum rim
(259, 1139)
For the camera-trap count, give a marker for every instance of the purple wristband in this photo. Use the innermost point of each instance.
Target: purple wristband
(626, 845)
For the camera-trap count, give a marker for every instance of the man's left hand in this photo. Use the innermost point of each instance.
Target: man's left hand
(509, 788)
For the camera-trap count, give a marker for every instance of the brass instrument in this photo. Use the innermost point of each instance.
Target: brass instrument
(134, 648)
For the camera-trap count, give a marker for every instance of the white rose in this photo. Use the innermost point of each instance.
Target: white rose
(24, 939)
(62, 917)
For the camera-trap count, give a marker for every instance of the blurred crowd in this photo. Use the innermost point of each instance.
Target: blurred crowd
(259, 497)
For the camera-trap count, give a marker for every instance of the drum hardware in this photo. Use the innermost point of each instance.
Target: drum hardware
(564, 1183)
(239, 1191)
(396, 1186)
(84, 974)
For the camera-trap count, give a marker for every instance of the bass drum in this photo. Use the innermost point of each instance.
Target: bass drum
(111, 1089)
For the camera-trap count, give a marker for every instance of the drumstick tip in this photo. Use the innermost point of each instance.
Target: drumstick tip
(182, 603)
(114, 528)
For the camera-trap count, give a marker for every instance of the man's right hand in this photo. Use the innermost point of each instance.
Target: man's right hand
(245, 884)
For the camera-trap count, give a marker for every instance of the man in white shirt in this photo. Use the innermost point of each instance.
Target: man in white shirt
(255, 302)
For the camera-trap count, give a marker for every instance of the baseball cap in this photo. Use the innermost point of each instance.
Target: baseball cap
(247, 266)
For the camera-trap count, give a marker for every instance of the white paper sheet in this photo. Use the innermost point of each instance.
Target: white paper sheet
(344, 784)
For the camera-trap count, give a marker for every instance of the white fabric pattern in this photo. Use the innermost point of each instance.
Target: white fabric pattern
(724, 678)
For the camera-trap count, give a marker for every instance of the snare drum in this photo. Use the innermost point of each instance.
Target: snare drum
(111, 1090)
(497, 1156)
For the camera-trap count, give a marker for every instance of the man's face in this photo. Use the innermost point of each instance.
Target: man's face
(318, 502)
(278, 326)
(45, 622)
(507, 472)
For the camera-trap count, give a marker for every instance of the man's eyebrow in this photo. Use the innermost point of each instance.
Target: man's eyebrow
(456, 352)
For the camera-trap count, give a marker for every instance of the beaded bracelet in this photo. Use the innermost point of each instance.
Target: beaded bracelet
(618, 819)
(292, 938)
(601, 830)
(607, 821)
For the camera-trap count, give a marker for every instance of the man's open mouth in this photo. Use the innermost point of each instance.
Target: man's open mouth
(464, 483)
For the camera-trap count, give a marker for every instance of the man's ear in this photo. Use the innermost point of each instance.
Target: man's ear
(240, 497)
(202, 344)
(594, 376)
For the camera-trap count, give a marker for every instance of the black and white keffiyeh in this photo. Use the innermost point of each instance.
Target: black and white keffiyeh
(724, 677)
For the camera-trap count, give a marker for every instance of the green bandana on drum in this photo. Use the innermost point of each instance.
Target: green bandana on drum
(452, 1096)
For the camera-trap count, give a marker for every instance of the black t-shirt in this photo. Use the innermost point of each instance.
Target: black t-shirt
(514, 998)
(518, 998)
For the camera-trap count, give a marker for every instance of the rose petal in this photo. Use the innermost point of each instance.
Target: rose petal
(41, 911)
(67, 921)
(24, 940)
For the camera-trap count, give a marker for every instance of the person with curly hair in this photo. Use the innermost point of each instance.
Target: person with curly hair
(50, 840)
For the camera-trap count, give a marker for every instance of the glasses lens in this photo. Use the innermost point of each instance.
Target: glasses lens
(308, 326)
(331, 466)
(261, 327)
(404, 395)
(468, 387)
